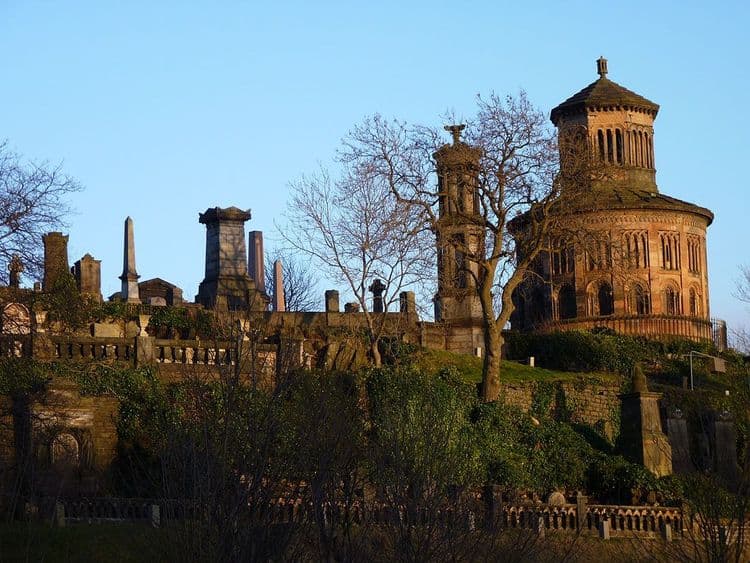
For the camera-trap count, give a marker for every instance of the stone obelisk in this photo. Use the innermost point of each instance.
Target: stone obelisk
(279, 305)
(129, 276)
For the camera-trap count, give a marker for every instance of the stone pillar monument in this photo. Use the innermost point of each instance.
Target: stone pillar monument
(255, 263)
(641, 437)
(14, 271)
(55, 258)
(87, 272)
(279, 304)
(332, 301)
(227, 285)
(377, 288)
(129, 277)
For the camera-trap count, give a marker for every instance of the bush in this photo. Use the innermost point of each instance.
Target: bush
(577, 350)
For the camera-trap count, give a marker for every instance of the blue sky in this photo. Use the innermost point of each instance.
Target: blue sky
(163, 109)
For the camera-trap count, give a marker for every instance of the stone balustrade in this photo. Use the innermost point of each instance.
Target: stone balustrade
(623, 520)
(651, 326)
(92, 348)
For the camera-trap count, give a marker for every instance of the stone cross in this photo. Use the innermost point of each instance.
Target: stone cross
(129, 277)
(14, 271)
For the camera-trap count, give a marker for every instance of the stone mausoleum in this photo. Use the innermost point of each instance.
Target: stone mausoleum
(643, 270)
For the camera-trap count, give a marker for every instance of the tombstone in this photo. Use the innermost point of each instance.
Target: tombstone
(581, 501)
(679, 440)
(332, 301)
(407, 302)
(556, 499)
(58, 518)
(539, 526)
(604, 528)
(725, 448)
(641, 437)
(15, 267)
(87, 272)
(666, 532)
(351, 308)
(377, 288)
(492, 495)
(155, 516)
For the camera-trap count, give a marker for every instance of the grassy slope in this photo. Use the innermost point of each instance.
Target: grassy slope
(470, 369)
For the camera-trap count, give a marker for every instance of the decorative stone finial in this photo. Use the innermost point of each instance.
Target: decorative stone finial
(639, 380)
(601, 67)
(455, 131)
(15, 267)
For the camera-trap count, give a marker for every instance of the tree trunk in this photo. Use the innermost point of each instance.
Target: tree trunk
(493, 343)
(375, 353)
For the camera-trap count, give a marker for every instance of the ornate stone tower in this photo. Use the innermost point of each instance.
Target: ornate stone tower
(643, 270)
(458, 237)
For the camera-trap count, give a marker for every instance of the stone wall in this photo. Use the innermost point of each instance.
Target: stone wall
(590, 402)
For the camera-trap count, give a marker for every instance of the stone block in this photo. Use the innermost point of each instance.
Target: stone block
(108, 330)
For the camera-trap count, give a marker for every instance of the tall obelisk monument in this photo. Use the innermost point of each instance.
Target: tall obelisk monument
(129, 276)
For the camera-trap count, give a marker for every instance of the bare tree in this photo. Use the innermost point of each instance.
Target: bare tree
(300, 284)
(501, 194)
(359, 233)
(32, 202)
(741, 335)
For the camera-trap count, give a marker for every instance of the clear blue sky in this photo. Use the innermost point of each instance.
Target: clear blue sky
(163, 109)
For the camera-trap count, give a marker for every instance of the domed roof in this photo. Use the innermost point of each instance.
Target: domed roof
(625, 198)
(602, 93)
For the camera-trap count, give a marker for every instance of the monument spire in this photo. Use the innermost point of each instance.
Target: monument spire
(279, 304)
(129, 276)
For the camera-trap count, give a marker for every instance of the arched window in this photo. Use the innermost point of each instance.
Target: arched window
(600, 143)
(695, 306)
(605, 299)
(566, 302)
(618, 142)
(610, 146)
(65, 452)
(641, 301)
(671, 301)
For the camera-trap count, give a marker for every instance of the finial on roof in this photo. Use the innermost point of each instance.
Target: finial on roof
(455, 130)
(601, 67)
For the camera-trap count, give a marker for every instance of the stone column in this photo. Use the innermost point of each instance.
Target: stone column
(279, 305)
(129, 277)
(255, 263)
(55, 258)
(332, 301)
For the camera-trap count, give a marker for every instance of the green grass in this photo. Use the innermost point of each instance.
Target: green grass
(22, 541)
(470, 369)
